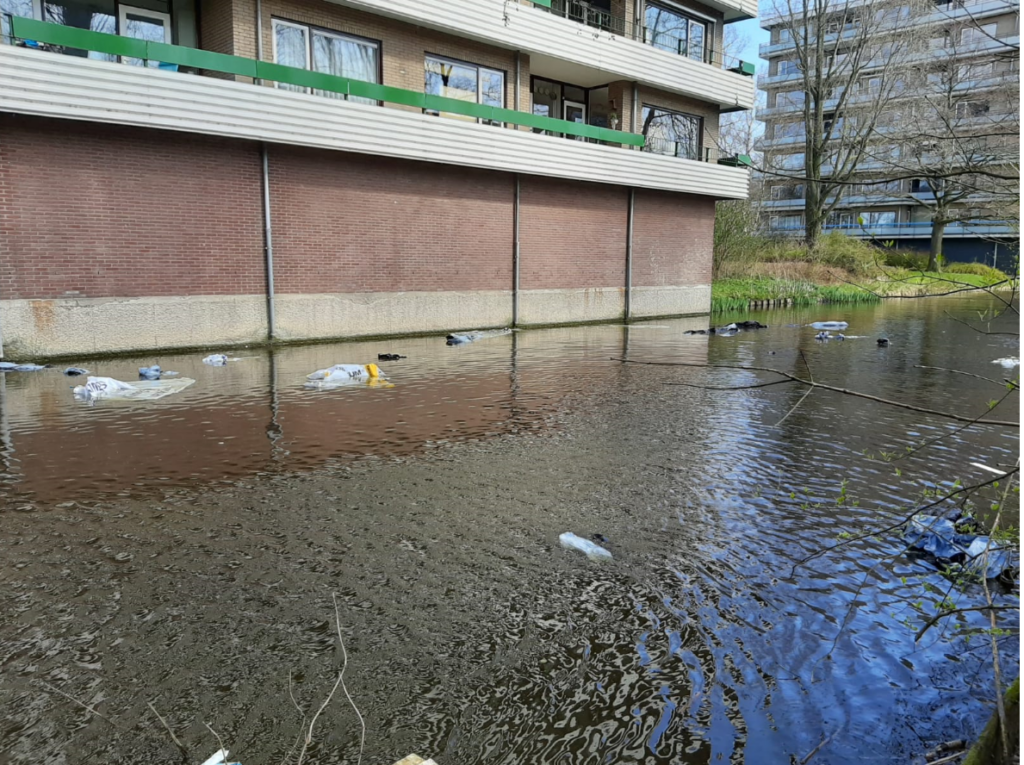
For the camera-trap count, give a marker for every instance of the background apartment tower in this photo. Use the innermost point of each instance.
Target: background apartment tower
(920, 113)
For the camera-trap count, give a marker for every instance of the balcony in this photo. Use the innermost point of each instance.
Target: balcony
(918, 230)
(955, 11)
(49, 84)
(960, 51)
(579, 38)
(773, 13)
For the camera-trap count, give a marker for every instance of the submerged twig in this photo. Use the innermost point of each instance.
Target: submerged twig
(339, 682)
(82, 704)
(943, 614)
(181, 747)
(845, 391)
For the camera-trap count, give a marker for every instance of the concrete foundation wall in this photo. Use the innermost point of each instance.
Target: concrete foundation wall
(115, 239)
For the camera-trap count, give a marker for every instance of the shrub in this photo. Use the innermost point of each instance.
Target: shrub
(977, 269)
(842, 251)
(912, 260)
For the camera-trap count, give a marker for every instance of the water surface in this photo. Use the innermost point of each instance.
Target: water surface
(184, 552)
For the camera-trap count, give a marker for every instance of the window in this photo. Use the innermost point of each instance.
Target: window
(785, 35)
(790, 162)
(977, 34)
(782, 191)
(672, 133)
(788, 66)
(26, 8)
(307, 47)
(465, 82)
(840, 220)
(789, 130)
(975, 71)
(674, 31)
(100, 16)
(883, 218)
(786, 222)
(789, 98)
(967, 109)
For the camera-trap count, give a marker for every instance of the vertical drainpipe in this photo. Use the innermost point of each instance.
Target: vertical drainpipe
(515, 255)
(268, 243)
(515, 211)
(629, 255)
(268, 239)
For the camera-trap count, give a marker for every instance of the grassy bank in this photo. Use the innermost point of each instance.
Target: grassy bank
(755, 270)
(736, 294)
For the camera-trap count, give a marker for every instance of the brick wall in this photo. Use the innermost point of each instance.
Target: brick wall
(348, 223)
(571, 234)
(90, 210)
(672, 239)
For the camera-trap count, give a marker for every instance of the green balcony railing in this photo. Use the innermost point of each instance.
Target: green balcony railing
(83, 39)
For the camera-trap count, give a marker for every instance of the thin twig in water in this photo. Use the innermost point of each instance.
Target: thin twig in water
(899, 404)
(220, 742)
(943, 614)
(905, 519)
(362, 724)
(816, 749)
(1000, 383)
(979, 331)
(80, 703)
(996, 670)
(167, 727)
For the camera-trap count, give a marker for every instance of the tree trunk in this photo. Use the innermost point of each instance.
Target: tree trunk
(938, 231)
(812, 215)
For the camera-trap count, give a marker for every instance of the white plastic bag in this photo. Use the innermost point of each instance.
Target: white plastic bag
(148, 390)
(595, 552)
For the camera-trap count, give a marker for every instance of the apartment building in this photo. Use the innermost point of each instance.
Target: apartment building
(952, 102)
(178, 173)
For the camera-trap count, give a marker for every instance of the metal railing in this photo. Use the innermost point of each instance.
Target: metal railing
(589, 14)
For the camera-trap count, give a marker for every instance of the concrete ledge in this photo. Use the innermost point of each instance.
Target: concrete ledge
(90, 326)
(360, 314)
(571, 306)
(669, 301)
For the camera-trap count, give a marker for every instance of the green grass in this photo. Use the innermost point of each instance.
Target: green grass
(738, 294)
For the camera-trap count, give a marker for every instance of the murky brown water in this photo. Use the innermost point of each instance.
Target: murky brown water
(183, 552)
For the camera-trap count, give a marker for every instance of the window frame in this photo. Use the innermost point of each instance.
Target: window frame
(692, 17)
(698, 150)
(309, 30)
(460, 62)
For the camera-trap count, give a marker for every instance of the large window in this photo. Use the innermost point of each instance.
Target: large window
(672, 133)
(882, 218)
(673, 30)
(977, 34)
(307, 47)
(464, 82)
(789, 98)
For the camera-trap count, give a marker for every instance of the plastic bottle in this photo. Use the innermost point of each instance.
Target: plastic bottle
(595, 552)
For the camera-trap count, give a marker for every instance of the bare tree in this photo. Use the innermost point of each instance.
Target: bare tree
(954, 149)
(850, 59)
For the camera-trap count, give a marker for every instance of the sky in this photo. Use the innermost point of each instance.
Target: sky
(754, 36)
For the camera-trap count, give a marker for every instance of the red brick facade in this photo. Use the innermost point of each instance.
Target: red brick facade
(96, 211)
(90, 210)
(571, 234)
(672, 238)
(352, 223)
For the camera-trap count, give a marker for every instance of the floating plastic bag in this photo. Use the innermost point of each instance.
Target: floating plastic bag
(939, 538)
(1008, 362)
(10, 366)
(829, 325)
(340, 372)
(471, 337)
(75, 371)
(150, 373)
(148, 390)
(216, 360)
(595, 552)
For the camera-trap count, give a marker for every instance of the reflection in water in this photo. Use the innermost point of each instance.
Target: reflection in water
(185, 551)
